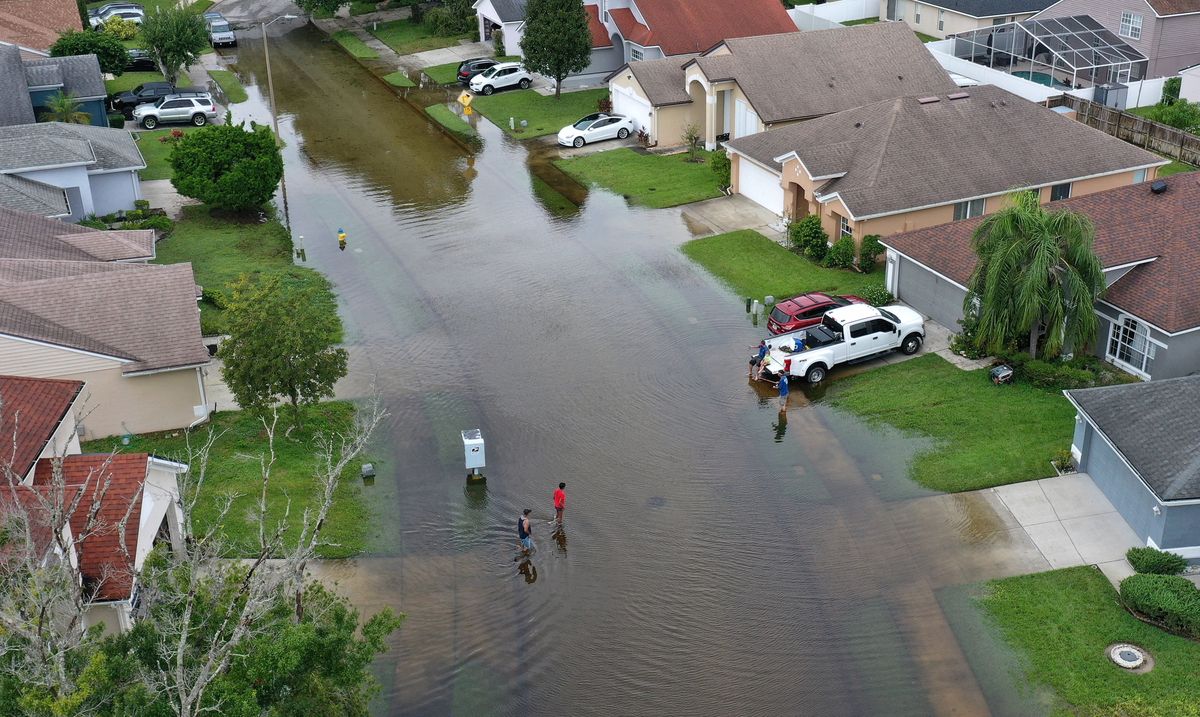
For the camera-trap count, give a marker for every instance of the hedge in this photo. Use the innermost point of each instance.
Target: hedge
(1170, 600)
(1155, 561)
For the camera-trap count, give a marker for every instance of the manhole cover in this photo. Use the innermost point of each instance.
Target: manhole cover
(1127, 656)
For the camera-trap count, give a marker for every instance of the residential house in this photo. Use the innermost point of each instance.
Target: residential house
(1145, 236)
(94, 168)
(1189, 86)
(1140, 443)
(919, 161)
(136, 490)
(752, 84)
(1165, 31)
(26, 85)
(942, 18)
(632, 30)
(36, 24)
(25, 235)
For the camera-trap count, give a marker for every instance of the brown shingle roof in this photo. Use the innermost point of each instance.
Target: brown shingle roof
(1132, 224)
(798, 75)
(904, 154)
(662, 80)
(681, 26)
(1174, 7)
(37, 23)
(146, 314)
(28, 236)
(32, 410)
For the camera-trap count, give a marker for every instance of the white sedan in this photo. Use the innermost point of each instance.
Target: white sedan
(595, 127)
(497, 77)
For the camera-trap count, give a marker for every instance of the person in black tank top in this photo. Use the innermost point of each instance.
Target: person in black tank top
(524, 531)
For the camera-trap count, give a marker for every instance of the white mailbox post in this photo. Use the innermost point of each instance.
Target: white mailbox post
(473, 452)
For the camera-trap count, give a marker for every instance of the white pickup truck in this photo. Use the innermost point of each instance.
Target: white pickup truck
(845, 335)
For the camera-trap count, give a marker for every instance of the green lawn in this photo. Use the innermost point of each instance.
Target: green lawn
(1175, 167)
(926, 38)
(221, 249)
(129, 80)
(545, 115)
(399, 79)
(753, 265)
(864, 21)
(234, 468)
(156, 152)
(1142, 111)
(356, 47)
(230, 85)
(985, 435)
(359, 7)
(446, 74)
(1061, 621)
(451, 121)
(652, 180)
(406, 37)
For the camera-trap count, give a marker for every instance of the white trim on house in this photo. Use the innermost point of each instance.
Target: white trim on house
(1148, 355)
(122, 169)
(36, 342)
(44, 167)
(1156, 328)
(1130, 264)
(151, 372)
(792, 155)
(1191, 552)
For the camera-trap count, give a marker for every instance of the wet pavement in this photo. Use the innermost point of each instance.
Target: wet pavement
(716, 560)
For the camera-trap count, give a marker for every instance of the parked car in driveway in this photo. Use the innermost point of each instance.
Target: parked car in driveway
(139, 60)
(220, 32)
(467, 69)
(501, 76)
(126, 12)
(196, 108)
(140, 95)
(800, 312)
(594, 128)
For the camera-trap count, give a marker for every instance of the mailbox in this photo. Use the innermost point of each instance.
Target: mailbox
(473, 452)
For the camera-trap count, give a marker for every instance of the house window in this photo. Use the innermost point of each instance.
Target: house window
(604, 10)
(1139, 176)
(635, 54)
(1060, 191)
(967, 210)
(844, 228)
(997, 21)
(941, 19)
(1131, 25)
(1129, 345)
(917, 13)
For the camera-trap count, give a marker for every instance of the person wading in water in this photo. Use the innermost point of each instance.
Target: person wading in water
(524, 533)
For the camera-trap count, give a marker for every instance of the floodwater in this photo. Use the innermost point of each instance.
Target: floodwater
(715, 560)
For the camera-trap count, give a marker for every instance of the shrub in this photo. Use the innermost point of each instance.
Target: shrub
(93, 222)
(841, 254)
(869, 252)
(604, 104)
(1048, 374)
(161, 224)
(1171, 90)
(216, 297)
(121, 28)
(142, 204)
(498, 42)
(228, 166)
(1064, 461)
(964, 343)
(877, 295)
(722, 167)
(1155, 561)
(116, 120)
(808, 237)
(1171, 600)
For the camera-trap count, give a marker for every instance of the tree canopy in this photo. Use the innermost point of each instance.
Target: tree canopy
(175, 36)
(106, 47)
(64, 108)
(1036, 268)
(228, 166)
(557, 41)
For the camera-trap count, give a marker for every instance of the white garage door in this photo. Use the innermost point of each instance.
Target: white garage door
(760, 184)
(630, 105)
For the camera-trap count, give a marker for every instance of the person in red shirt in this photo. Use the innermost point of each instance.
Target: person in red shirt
(560, 502)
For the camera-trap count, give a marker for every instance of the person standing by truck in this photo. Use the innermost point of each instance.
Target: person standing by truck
(783, 391)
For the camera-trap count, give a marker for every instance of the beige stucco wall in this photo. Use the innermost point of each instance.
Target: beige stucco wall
(669, 122)
(115, 617)
(953, 22)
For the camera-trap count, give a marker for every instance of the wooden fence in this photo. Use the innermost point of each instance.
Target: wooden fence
(1154, 136)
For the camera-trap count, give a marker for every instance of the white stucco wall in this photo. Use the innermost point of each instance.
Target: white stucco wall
(114, 191)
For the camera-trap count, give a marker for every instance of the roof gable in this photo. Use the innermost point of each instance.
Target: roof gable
(26, 195)
(15, 107)
(31, 411)
(682, 26)
(78, 75)
(55, 143)
(26, 235)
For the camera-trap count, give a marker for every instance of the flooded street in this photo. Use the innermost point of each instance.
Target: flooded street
(714, 562)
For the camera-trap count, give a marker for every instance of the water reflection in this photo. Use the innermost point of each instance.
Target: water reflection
(780, 427)
(528, 570)
(560, 539)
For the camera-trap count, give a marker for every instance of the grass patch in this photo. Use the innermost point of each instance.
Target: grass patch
(1142, 111)
(399, 79)
(407, 37)
(753, 265)
(652, 180)
(545, 115)
(156, 152)
(926, 38)
(985, 435)
(446, 74)
(230, 85)
(448, 119)
(356, 47)
(863, 21)
(129, 80)
(233, 467)
(359, 7)
(1062, 621)
(1175, 167)
(222, 249)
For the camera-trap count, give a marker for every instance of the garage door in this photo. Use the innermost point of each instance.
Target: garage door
(760, 184)
(630, 105)
(930, 294)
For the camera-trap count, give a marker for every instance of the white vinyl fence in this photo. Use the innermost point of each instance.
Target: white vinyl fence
(832, 14)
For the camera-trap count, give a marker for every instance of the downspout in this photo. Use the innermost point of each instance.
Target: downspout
(203, 398)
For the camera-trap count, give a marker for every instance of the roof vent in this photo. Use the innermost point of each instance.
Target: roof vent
(927, 100)
(958, 95)
(1158, 186)
(900, 77)
(857, 125)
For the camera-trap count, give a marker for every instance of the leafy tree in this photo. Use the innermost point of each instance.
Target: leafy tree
(174, 36)
(691, 139)
(120, 28)
(1180, 114)
(1036, 267)
(228, 166)
(452, 17)
(321, 6)
(808, 237)
(64, 108)
(281, 342)
(557, 41)
(107, 49)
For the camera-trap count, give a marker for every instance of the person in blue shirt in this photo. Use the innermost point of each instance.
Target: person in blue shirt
(783, 392)
(757, 361)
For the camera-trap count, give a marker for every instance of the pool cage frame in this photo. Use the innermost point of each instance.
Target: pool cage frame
(1078, 47)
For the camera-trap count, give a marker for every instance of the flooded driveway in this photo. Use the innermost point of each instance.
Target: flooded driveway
(715, 561)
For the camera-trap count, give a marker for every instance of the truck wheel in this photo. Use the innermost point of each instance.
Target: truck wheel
(816, 374)
(912, 342)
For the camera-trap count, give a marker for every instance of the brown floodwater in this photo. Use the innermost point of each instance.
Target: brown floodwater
(715, 560)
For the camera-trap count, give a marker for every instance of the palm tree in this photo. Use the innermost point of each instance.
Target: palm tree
(1036, 267)
(64, 108)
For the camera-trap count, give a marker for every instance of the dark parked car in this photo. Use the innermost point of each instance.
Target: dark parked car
(140, 60)
(469, 68)
(800, 312)
(140, 95)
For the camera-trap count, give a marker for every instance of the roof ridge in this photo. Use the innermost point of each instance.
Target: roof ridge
(81, 340)
(897, 105)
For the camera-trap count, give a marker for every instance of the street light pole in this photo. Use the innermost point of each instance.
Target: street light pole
(274, 114)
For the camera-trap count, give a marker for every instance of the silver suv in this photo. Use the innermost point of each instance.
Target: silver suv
(219, 30)
(195, 107)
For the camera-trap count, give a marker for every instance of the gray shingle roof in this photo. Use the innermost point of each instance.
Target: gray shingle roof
(661, 80)
(798, 75)
(989, 142)
(992, 8)
(113, 148)
(30, 196)
(79, 75)
(1154, 427)
(43, 75)
(15, 107)
(31, 236)
(33, 151)
(510, 10)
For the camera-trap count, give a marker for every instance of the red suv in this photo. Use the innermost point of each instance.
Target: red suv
(800, 312)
